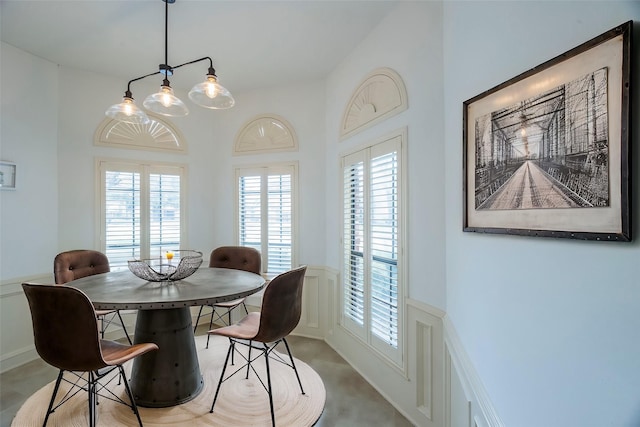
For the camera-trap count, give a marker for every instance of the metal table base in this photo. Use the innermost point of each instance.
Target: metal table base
(171, 375)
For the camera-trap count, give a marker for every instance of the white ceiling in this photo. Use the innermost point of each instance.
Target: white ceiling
(253, 44)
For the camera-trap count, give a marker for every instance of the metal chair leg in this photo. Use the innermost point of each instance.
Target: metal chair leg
(224, 368)
(286, 344)
(134, 407)
(91, 389)
(53, 398)
(249, 360)
(266, 361)
(124, 328)
(198, 319)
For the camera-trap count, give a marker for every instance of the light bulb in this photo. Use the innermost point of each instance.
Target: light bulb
(166, 96)
(128, 107)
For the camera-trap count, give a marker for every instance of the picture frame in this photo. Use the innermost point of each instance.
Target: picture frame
(7, 175)
(546, 153)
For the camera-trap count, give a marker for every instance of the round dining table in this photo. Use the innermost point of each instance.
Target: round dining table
(171, 375)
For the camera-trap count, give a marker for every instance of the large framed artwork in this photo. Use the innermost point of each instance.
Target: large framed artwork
(547, 152)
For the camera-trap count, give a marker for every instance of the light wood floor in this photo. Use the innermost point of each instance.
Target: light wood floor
(351, 401)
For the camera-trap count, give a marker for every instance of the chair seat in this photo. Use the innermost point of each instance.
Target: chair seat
(245, 329)
(115, 353)
(230, 304)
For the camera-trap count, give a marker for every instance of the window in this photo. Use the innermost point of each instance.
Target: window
(266, 214)
(141, 210)
(372, 212)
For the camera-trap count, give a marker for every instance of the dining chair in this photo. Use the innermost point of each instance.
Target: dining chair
(237, 258)
(65, 331)
(78, 263)
(279, 315)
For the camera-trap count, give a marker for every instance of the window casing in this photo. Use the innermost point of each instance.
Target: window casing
(141, 210)
(372, 272)
(266, 217)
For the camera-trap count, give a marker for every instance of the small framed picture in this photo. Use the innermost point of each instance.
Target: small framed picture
(7, 175)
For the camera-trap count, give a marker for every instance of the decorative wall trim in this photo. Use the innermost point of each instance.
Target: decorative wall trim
(157, 135)
(424, 354)
(482, 410)
(382, 94)
(265, 133)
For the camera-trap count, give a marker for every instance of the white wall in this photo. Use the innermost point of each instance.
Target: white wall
(409, 41)
(550, 325)
(28, 215)
(29, 137)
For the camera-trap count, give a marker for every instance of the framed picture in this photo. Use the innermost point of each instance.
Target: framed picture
(547, 152)
(7, 175)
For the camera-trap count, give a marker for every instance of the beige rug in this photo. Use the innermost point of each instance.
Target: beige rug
(241, 402)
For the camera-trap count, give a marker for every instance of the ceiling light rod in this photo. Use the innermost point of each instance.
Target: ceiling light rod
(209, 94)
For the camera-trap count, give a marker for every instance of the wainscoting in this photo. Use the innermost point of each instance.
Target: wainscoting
(438, 386)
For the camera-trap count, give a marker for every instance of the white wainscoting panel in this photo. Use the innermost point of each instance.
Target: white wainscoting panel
(468, 403)
(16, 333)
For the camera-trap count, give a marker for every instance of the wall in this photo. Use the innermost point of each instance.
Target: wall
(551, 326)
(409, 41)
(28, 215)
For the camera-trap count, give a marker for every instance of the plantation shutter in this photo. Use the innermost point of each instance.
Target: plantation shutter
(384, 247)
(141, 211)
(371, 233)
(164, 215)
(354, 225)
(250, 208)
(266, 214)
(122, 216)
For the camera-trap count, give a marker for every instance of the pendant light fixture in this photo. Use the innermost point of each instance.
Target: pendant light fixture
(209, 94)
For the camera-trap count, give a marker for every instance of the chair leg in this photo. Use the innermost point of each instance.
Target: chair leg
(124, 328)
(213, 311)
(53, 398)
(286, 344)
(197, 319)
(102, 326)
(224, 368)
(266, 361)
(91, 389)
(249, 360)
(134, 407)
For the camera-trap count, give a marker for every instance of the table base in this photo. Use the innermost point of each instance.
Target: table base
(171, 375)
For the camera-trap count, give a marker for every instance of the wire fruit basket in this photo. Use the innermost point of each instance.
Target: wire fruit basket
(174, 265)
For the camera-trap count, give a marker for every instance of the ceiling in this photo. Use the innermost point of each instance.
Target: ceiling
(253, 44)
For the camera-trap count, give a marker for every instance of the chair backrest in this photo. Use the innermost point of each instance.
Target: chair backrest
(71, 265)
(281, 305)
(65, 329)
(237, 258)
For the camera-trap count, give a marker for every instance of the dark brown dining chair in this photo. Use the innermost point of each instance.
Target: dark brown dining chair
(65, 331)
(280, 314)
(75, 264)
(237, 258)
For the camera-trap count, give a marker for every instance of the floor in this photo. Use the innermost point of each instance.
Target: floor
(351, 401)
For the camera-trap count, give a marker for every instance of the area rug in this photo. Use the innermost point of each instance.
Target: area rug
(241, 402)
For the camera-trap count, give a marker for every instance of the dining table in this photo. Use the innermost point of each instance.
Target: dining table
(171, 375)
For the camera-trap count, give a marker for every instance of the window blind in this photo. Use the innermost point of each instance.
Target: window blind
(266, 214)
(142, 211)
(371, 246)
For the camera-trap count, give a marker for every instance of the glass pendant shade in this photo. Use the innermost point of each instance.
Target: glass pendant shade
(127, 112)
(166, 103)
(211, 94)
